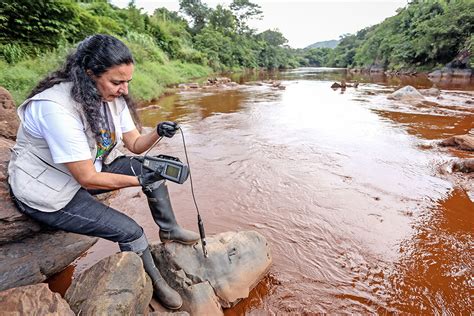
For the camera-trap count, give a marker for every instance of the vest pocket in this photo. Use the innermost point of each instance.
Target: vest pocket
(54, 179)
(40, 170)
(32, 165)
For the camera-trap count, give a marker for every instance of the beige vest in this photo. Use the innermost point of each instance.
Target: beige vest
(33, 176)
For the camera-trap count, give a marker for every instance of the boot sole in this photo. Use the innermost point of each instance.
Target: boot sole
(172, 308)
(165, 241)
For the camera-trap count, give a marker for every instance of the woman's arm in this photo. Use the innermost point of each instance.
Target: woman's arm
(84, 173)
(137, 143)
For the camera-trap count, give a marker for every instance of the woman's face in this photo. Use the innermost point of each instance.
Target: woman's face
(114, 82)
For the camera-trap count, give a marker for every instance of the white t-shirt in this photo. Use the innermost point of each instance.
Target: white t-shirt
(63, 132)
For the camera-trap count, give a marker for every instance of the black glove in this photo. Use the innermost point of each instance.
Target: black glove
(167, 129)
(149, 178)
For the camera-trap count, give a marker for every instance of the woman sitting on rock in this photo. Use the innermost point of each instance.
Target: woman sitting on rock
(66, 151)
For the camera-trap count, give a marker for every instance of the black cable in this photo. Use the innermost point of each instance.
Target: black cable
(189, 166)
(202, 233)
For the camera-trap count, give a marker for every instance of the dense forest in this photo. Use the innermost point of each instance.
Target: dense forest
(422, 36)
(170, 47)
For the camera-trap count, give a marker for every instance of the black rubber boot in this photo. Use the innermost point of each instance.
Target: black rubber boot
(162, 211)
(168, 297)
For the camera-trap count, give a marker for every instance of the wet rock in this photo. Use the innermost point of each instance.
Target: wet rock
(116, 285)
(464, 165)
(465, 73)
(344, 85)
(9, 121)
(236, 263)
(34, 259)
(432, 92)
(407, 93)
(458, 67)
(276, 84)
(185, 86)
(28, 253)
(376, 69)
(217, 81)
(435, 74)
(463, 142)
(13, 224)
(33, 300)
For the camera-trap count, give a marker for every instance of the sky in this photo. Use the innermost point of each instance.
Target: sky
(303, 22)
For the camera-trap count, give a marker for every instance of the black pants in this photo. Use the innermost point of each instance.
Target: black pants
(85, 215)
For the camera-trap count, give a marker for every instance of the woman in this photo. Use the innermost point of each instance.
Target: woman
(71, 124)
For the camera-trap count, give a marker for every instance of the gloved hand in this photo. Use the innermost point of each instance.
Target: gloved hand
(149, 178)
(167, 129)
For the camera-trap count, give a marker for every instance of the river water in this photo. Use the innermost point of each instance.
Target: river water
(348, 187)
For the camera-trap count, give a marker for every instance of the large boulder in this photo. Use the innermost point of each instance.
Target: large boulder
(13, 224)
(237, 261)
(463, 142)
(34, 259)
(407, 93)
(116, 285)
(33, 300)
(464, 165)
(28, 253)
(431, 92)
(9, 121)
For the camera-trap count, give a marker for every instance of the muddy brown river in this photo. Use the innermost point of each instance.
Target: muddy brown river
(348, 187)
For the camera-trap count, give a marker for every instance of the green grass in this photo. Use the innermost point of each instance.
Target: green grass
(149, 81)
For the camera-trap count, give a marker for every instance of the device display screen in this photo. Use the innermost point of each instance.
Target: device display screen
(172, 171)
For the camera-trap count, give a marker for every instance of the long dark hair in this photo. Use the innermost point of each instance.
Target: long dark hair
(96, 53)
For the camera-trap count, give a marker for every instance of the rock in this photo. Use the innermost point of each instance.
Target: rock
(9, 121)
(34, 259)
(464, 165)
(463, 142)
(459, 67)
(13, 224)
(336, 85)
(431, 92)
(116, 285)
(236, 263)
(33, 300)
(376, 69)
(464, 73)
(218, 81)
(193, 85)
(23, 242)
(276, 84)
(407, 93)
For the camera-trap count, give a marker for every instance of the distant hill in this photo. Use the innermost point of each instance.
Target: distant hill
(324, 44)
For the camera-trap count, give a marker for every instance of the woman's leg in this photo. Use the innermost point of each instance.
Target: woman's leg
(158, 201)
(87, 216)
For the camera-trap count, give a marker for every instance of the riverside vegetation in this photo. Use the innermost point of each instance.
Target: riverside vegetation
(35, 36)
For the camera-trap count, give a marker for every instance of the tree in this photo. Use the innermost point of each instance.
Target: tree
(243, 11)
(197, 11)
(222, 20)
